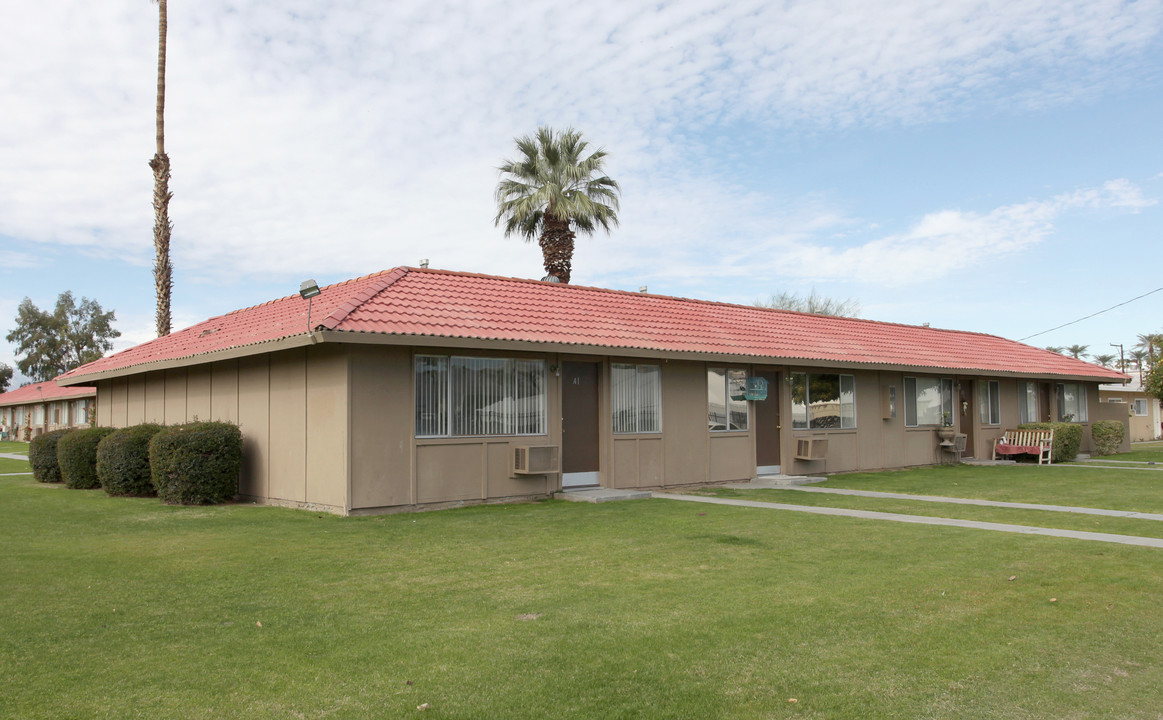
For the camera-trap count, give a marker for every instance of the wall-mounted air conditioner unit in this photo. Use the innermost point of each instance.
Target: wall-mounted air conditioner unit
(812, 449)
(535, 460)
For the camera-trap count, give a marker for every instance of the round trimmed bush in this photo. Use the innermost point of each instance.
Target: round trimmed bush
(42, 455)
(1108, 436)
(123, 461)
(77, 455)
(196, 463)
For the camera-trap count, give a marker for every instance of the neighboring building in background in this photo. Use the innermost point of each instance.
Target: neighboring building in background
(417, 388)
(40, 407)
(1146, 412)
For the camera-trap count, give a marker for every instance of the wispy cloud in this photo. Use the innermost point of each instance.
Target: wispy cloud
(345, 137)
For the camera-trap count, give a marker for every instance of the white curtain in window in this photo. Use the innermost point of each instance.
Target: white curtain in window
(431, 396)
(1028, 402)
(636, 392)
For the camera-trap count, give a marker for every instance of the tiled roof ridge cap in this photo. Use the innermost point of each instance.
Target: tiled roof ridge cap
(289, 297)
(387, 279)
(719, 303)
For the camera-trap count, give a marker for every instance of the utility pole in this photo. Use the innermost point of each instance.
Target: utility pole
(1122, 360)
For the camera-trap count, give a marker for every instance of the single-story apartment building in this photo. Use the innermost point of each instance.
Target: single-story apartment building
(416, 388)
(1145, 413)
(39, 407)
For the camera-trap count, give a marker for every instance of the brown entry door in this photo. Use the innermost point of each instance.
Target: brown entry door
(767, 425)
(579, 424)
(967, 409)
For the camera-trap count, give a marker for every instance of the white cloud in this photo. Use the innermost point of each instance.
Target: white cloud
(347, 137)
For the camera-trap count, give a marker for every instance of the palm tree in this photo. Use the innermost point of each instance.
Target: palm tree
(1105, 360)
(1152, 344)
(1055, 349)
(1138, 356)
(1077, 351)
(163, 271)
(553, 190)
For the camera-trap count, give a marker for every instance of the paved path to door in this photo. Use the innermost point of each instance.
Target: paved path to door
(922, 520)
(971, 501)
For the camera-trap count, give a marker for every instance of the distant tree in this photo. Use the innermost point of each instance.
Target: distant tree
(552, 190)
(1153, 380)
(1056, 349)
(68, 337)
(814, 303)
(163, 270)
(1077, 351)
(1139, 356)
(5, 377)
(1105, 360)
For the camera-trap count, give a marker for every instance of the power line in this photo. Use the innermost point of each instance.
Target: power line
(1100, 312)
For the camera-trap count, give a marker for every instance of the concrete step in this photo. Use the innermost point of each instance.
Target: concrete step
(775, 481)
(600, 495)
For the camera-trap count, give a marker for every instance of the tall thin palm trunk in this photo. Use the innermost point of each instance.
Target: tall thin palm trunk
(163, 271)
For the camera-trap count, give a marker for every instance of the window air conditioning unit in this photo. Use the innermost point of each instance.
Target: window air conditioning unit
(535, 460)
(812, 449)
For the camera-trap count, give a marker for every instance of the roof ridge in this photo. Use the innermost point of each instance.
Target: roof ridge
(388, 279)
(289, 297)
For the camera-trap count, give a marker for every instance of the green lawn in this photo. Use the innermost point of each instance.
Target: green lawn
(11, 447)
(1108, 487)
(1142, 452)
(126, 608)
(8, 465)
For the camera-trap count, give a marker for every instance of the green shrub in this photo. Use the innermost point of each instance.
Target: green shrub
(123, 461)
(42, 455)
(77, 455)
(1067, 439)
(1108, 436)
(196, 463)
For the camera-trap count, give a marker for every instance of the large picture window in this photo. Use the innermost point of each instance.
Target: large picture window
(928, 401)
(1071, 402)
(465, 396)
(823, 400)
(1027, 402)
(726, 401)
(636, 398)
(38, 414)
(990, 400)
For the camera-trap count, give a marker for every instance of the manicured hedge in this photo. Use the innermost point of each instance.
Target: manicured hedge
(1067, 439)
(1108, 436)
(123, 461)
(77, 455)
(42, 455)
(196, 463)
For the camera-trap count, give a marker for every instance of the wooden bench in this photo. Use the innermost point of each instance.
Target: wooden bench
(1021, 442)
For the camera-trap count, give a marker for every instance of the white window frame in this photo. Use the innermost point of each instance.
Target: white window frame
(730, 375)
(1082, 412)
(945, 390)
(444, 393)
(801, 412)
(636, 399)
(1141, 403)
(989, 402)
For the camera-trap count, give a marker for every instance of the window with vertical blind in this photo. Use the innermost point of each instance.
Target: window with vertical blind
(726, 401)
(989, 397)
(465, 396)
(928, 401)
(1027, 402)
(636, 398)
(38, 414)
(1072, 402)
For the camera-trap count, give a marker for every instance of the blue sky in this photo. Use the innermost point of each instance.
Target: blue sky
(986, 166)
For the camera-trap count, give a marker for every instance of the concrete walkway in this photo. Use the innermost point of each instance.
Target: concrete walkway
(923, 520)
(13, 456)
(972, 501)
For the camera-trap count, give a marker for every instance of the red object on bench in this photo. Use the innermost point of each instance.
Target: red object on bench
(1003, 449)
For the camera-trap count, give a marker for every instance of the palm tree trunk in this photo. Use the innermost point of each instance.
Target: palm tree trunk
(163, 271)
(557, 248)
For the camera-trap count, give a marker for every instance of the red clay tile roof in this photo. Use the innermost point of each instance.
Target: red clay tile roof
(42, 391)
(421, 303)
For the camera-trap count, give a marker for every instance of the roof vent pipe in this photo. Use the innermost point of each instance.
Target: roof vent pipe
(551, 278)
(424, 263)
(642, 289)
